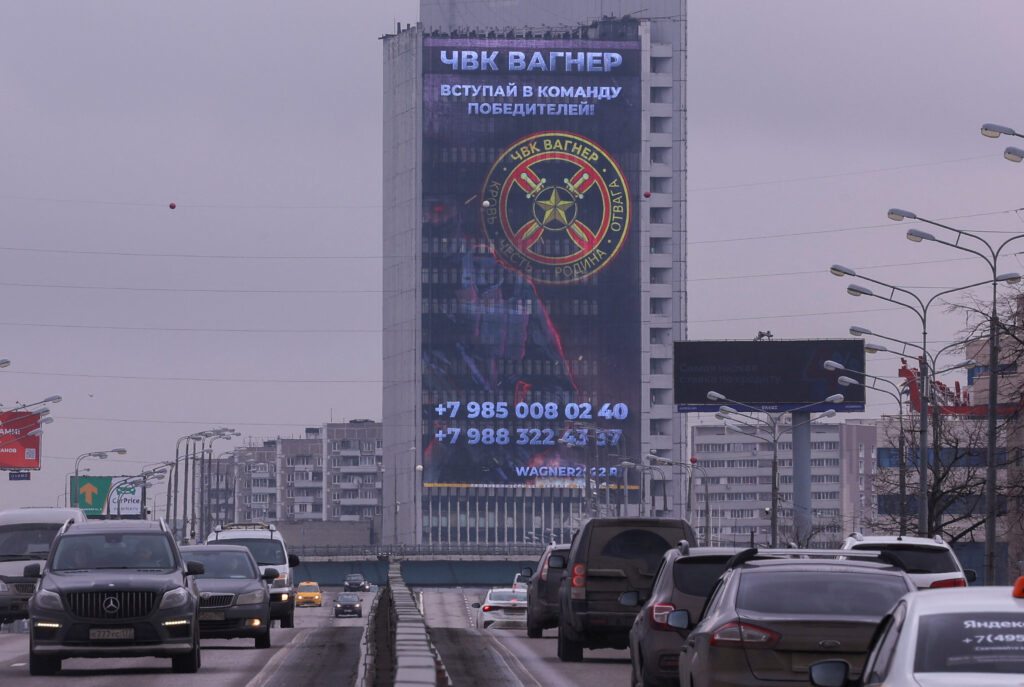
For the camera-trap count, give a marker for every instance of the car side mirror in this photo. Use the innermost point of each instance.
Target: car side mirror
(476, 605)
(31, 570)
(631, 599)
(970, 575)
(194, 568)
(526, 572)
(293, 560)
(832, 673)
(556, 562)
(269, 574)
(678, 620)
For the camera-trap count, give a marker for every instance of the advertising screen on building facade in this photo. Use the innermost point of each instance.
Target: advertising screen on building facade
(530, 248)
(768, 375)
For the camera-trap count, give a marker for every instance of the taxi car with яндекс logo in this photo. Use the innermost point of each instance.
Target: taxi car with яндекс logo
(308, 594)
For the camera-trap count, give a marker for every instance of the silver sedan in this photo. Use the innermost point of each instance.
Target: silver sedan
(501, 607)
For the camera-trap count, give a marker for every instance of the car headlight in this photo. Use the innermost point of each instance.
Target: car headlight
(47, 599)
(174, 598)
(255, 597)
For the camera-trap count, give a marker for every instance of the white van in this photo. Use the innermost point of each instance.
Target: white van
(25, 538)
(268, 548)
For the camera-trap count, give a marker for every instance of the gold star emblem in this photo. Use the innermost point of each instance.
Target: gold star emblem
(554, 207)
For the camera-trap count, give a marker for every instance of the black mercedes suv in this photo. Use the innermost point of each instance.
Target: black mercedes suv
(114, 588)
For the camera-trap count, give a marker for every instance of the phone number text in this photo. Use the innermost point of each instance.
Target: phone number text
(500, 410)
(532, 436)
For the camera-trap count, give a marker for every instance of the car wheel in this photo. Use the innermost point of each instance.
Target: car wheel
(42, 665)
(288, 620)
(533, 630)
(263, 640)
(569, 650)
(187, 663)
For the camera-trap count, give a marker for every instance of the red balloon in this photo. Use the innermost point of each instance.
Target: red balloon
(173, 205)
(647, 194)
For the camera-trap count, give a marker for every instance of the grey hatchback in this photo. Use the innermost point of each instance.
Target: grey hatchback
(773, 613)
(683, 581)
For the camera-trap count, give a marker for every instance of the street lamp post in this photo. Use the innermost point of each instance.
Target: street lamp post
(921, 311)
(92, 454)
(773, 429)
(991, 258)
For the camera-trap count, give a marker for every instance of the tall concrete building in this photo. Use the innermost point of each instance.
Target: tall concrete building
(534, 265)
(733, 475)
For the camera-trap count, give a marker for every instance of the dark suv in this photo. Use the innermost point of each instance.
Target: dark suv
(773, 613)
(683, 581)
(114, 588)
(355, 582)
(542, 593)
(607, 557)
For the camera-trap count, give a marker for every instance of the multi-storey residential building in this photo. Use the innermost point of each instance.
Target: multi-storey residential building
(332, 474)
(534, 262)
(733, 475)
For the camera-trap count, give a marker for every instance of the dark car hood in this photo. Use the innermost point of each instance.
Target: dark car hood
(228, 585)
(103, 580)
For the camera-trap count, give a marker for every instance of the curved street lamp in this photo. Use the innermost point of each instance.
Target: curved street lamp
(92, 454)
(990, 255)
(920, 308)
(772, 430)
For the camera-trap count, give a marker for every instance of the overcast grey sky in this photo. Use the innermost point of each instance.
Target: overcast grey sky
(256, 302)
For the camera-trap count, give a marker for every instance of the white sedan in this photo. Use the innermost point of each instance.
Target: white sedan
(501, 607)
(943, 637)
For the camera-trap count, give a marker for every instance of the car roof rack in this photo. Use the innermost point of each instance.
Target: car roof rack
(245, 526)
(684, 547)
(750, 554)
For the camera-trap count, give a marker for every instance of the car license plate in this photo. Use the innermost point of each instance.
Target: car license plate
(211, 615)
(112, 633)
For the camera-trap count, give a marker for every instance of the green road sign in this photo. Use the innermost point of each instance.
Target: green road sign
(95, 497)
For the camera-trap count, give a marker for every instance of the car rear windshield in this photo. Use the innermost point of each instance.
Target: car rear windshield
(790, 592)
(696, 576)
(265, 551)
(624, 546)
(504, 595)
(918, 559)
(348, 598)
(970, 643)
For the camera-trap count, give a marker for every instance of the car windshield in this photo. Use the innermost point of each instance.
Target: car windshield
(113, 550)
(348, 598)
(917, 559)
(309, 587)
(354, 578)
(224, 564)
(970, 643)
(788, 592)
(265, 551)
(28, 539)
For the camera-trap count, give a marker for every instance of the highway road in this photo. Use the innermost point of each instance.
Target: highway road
(319, 650)
(500, 657)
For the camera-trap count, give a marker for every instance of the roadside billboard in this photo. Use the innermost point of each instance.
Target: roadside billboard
(531, 358)
(107, 496)
(18, 451)
(772, 376)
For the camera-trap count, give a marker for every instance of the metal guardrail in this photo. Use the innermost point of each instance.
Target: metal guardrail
(386, 552)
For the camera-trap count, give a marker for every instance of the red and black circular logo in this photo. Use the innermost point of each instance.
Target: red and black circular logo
(556, 207)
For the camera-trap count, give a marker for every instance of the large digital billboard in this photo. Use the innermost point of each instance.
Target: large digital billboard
(768, 375)
(530, 259)
(18, 450)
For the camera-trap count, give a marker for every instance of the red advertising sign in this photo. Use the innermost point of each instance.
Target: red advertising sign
(17, 450)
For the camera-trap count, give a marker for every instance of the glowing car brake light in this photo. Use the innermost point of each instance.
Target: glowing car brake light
(742, 634)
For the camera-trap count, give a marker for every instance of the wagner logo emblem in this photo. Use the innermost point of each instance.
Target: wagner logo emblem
(556, 207)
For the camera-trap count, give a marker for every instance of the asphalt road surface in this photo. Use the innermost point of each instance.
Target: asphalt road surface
(504, 656)
(319, 650)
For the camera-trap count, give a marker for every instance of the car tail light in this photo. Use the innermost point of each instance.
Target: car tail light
(742, 634)
(579, 582)
(485, 609)
(953, 582)
(544, 569)
(659, 615)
